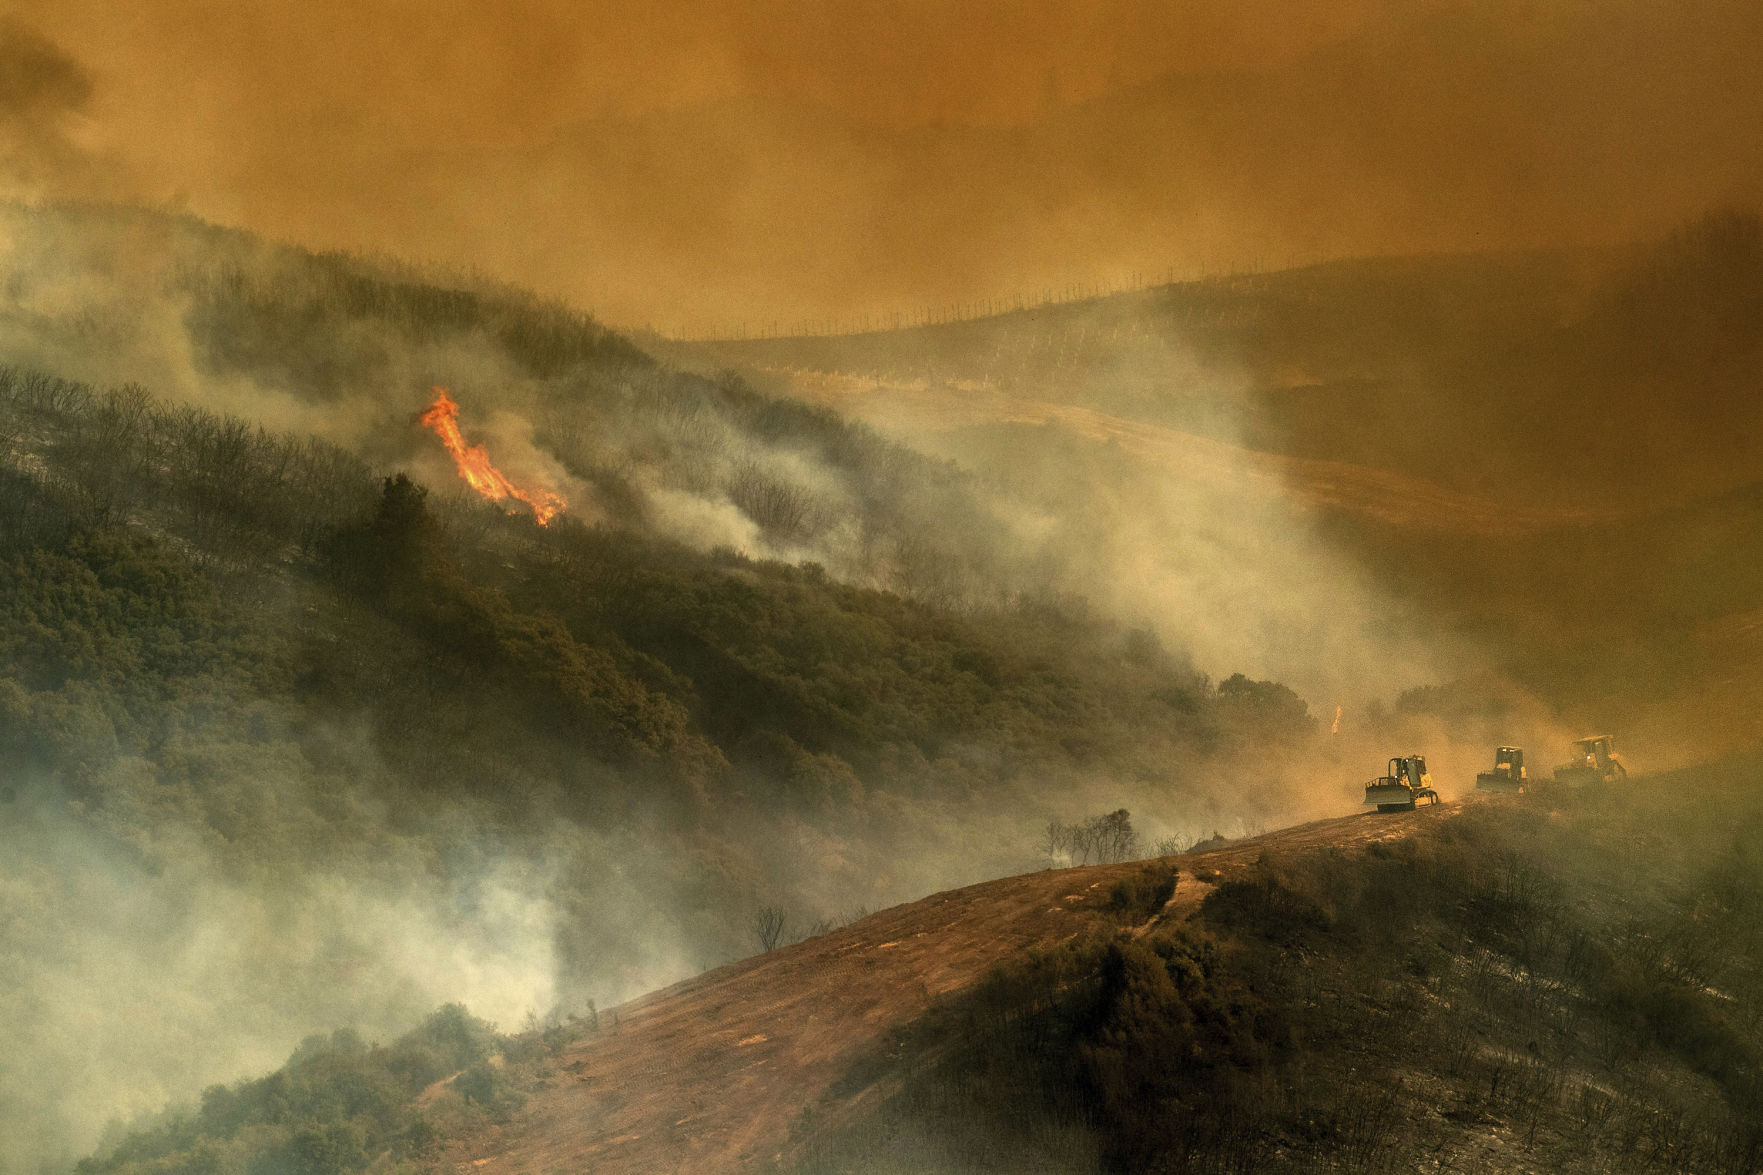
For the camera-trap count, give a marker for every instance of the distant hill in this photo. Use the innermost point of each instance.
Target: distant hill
(1577, 377)
(1203, 355)
(1545, 461)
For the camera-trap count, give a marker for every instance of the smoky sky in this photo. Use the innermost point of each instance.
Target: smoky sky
(42, 92)
(697, 165)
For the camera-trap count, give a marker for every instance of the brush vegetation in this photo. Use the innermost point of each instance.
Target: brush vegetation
(339, 1105)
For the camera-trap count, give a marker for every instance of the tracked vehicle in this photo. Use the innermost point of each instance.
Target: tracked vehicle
(1404, 787)
(1508, 774)
(1596, 762)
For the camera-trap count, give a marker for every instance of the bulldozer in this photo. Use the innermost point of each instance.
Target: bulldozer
(1404, 787)
(1596, 762)
(1508, 773)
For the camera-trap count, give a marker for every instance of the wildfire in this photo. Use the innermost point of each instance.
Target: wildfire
(474, 463)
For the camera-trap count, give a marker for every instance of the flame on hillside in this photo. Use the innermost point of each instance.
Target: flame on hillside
(474, 462)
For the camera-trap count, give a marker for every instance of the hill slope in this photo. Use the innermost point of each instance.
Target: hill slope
(1573, 377)
(1549, 982)
(1566, 980)
(718, 1073)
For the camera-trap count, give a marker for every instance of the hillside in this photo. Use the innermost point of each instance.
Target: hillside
(1556, 981)
(1308, 362)
(734, 1069)
(299, 733)
(1560, 982)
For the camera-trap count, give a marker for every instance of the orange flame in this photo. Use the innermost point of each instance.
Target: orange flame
(474, 463)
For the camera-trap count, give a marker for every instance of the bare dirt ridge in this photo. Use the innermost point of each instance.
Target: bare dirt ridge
(710, 1075)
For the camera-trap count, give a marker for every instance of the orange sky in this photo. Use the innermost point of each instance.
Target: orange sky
(704, 163)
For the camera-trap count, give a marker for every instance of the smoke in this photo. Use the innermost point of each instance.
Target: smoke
(1076, 493)
(761, 164)
(134, 973)
(42, 90)
(1186, 531)
(132, 982)
(154, 945)
(45, 133)
(137, 972)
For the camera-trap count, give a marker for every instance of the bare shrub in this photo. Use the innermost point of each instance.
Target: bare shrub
(768, 927)
(1100, 840)
(782, 510)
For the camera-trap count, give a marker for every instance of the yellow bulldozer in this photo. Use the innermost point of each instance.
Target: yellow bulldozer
(1596, 762)
(1406, 784)
(1508, 774)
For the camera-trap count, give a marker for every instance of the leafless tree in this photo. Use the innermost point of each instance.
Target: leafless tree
(1113, 836)
(768, 926)
(781, 509)
(1102, 839)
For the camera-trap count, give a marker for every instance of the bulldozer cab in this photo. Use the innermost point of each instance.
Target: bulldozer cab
(1410, 770)
(1595, 758)
(1596, 751)
(1405, 783)
(1507, 775)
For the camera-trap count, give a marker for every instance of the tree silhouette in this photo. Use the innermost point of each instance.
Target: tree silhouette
(768, 926)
